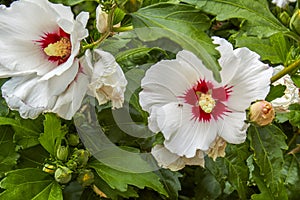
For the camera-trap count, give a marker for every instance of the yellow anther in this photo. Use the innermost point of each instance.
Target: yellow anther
(206, 102)
(60, 48)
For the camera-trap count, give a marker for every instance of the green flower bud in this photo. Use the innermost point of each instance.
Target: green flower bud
(129, 6)
(295, 22)
(261, 113)
(49, 168)
(73, 139)
(85, 178)
(62, 153)
(71, 164)
(81, 156)
(284, 18)
(63, 175)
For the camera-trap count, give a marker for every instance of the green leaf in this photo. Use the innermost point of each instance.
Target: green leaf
(260, 20)
(207, 185)
(8, 155)
(30, 183)
(182, 24)
(120, 180)
(69, 2)
(113, 193)
(296, 79)
(26, 135)
(171, 182)
(261, 46)
(53, 133)
(275, 92)
(293, 116)
(268, 144)
(273, 49)
(138, 56)
(290, 170)
(232, 168)
(32, 157)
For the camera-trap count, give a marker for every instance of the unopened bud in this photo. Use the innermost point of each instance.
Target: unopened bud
(101, 20)
(63, 175)
(71, 164)
(129, 6)
(62, 153)
(262, 113)
(81, 156)
(73, 139)
(284, 18)
(295, 21)
(49, 168)
(85, 178)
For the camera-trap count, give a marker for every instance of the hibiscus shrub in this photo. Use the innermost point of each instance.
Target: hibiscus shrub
(160, 99)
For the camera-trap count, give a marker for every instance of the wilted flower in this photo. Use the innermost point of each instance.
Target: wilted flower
(108, 81)
(217, 148)
(261, 113)
(41, 42)
(172, 161)
(291, 93)
(191, 109)
(282, 3)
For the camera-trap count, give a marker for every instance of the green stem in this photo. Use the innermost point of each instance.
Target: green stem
(292, 35)
(107, 33)
(122, 29)
(285, 71)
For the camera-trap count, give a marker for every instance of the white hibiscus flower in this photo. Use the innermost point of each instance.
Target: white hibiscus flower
(191, 109)
(41, 42)
(282, 3)
(108, 82)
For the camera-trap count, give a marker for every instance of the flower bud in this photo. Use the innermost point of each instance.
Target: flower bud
(262, 113)
(85, 178)
(101, 20)
(129, 6)
(73, 139)
(295, 21)
(284, 18)
(63, 175)
(62, 153)
(81, 157)
(71, 164)
(49, 168)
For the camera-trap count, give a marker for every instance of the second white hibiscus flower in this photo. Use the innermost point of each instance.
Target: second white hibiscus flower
(191, 109)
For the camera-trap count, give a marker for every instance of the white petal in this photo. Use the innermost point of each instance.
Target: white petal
(167, 159)
(166, 81)
(28, 97)
(70, 101)
(108, 80)
(184, 135)
(198, 70)
(242, 69)
(233, 128)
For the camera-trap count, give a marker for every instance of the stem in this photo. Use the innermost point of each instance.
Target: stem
(285, 71)
(294, 138)
(292, 35)
(107, 33)
(123, 29)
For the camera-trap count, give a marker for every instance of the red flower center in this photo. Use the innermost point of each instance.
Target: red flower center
(207, 101)
(56, 46)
